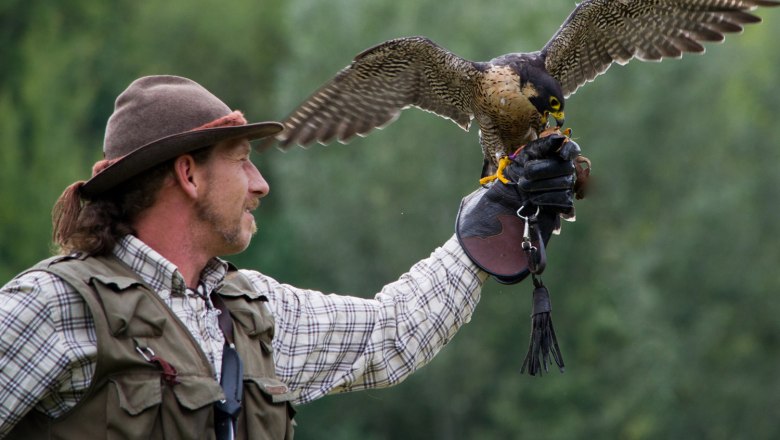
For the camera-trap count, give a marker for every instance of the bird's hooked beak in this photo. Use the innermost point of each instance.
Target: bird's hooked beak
(558, 116)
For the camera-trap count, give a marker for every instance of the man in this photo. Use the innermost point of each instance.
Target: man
(139, 330)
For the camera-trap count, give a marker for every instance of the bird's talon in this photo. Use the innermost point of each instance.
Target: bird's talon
(487, 179)
(502, 164)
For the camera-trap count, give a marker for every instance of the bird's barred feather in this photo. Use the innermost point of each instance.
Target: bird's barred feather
(382, 81)
(601, 32)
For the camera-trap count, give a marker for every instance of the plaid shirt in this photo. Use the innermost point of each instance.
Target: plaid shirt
(323, 343)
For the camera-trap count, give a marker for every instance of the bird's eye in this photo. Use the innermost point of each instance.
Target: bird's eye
(554, 103)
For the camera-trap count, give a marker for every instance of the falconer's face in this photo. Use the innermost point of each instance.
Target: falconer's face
(234, 187)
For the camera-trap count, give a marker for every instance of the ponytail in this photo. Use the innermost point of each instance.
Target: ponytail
(65, 215)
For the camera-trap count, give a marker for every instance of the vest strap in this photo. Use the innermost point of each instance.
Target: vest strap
(225, 323)
(232, 380)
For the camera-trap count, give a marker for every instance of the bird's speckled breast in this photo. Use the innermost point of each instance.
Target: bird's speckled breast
(501, 91)
(502, 98)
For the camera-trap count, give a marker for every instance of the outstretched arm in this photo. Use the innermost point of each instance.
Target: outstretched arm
(331, 343)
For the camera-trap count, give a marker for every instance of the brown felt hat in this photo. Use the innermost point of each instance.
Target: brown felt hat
(159, 118)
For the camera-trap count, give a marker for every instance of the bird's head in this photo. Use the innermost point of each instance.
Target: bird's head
(545, 94)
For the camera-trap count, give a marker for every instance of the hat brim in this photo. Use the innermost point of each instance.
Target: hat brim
(157, 152)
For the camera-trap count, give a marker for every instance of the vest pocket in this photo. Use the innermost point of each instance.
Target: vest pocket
(143, 408)
(256, 325)
(274, 388)
(136, 395)
(136, 315)
(275, 420)
(133, 407)
(195, 392)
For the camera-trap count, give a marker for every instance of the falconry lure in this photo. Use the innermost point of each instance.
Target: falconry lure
(513, 97)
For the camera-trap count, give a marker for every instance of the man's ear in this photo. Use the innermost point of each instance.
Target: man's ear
(186, 175)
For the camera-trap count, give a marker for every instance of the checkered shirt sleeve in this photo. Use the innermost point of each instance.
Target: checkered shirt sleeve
(330, 343)
(47, 350)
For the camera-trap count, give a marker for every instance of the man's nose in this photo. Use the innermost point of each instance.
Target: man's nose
(257, 184)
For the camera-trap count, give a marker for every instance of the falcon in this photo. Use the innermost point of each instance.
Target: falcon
(513, 97)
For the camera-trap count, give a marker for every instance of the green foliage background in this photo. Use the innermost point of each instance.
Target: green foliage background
(664, 287)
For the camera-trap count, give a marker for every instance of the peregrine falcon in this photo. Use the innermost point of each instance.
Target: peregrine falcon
(512, 97)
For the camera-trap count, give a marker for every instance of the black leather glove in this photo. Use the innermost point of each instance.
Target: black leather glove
(489, 225)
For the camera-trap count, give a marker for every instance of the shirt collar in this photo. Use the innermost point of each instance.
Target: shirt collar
(159, 273)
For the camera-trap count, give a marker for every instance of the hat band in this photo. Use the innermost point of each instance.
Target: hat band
(232, 119)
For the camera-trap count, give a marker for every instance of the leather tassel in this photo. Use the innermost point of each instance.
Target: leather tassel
(543, 344)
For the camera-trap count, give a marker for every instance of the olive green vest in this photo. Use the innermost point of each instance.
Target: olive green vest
(129, 397)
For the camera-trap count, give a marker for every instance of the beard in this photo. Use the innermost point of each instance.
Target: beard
(229, 228)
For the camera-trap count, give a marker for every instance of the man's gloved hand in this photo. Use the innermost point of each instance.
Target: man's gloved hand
(544, 172)
(489, 226)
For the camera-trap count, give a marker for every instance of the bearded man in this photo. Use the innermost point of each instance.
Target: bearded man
(138, 329)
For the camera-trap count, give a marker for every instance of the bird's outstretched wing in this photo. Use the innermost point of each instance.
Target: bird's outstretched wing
(381, 81)
(600, 32)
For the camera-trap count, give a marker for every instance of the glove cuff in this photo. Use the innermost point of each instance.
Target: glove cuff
(491, 235)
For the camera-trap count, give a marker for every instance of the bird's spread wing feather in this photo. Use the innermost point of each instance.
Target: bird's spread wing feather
(600, 32)
(381, 81)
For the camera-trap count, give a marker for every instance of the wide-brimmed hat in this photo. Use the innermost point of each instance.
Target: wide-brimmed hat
(158, 118)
